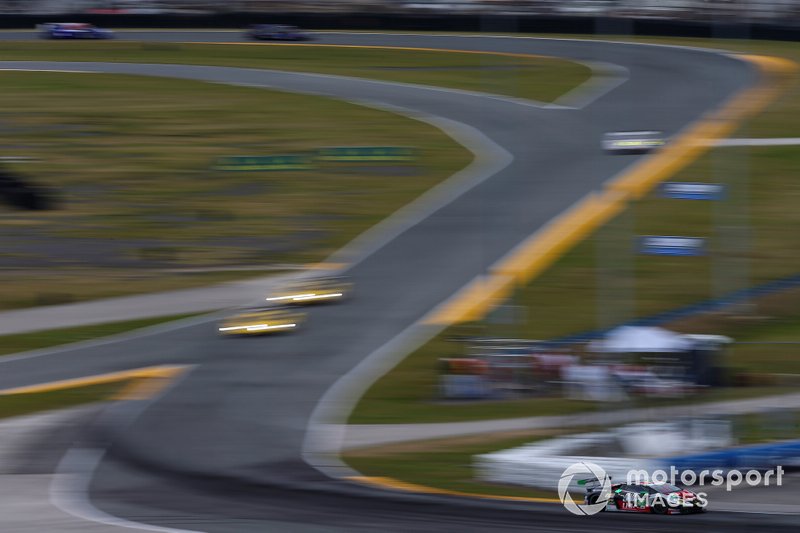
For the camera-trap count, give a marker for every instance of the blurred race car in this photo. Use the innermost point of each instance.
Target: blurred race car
(262, 320)
(276, 32)
(657, 498)
(313, 290)
(73, 30)
(633, 142)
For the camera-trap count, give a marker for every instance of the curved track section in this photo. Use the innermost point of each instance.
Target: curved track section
(222, 450)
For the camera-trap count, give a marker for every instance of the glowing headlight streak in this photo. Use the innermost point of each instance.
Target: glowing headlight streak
(258, 327)
(290, 297)
(316, 297)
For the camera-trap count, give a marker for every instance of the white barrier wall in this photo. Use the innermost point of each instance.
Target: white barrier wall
(541, 464)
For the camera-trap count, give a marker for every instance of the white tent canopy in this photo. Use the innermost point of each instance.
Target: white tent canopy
(642, 339)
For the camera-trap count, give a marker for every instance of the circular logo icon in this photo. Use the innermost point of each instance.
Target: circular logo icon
(588, 473)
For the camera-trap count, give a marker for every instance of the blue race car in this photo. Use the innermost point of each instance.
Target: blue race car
(73, 30)
(277, 32)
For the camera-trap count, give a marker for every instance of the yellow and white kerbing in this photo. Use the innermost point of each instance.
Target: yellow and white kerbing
(312, 290)
(262, 321)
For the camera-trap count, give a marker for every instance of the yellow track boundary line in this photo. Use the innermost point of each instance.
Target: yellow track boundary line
(395, 484)
(146, 382)
(534, 255)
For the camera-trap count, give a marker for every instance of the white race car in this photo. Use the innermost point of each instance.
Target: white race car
(633, 142)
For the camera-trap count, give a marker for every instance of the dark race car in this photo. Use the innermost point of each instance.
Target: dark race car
(656, 498)
(277, 32)
(73, 30)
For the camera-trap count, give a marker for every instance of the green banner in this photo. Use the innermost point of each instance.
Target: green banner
(366, 154)
(241, 163)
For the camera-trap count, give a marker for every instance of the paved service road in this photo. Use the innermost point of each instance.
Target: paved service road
(234, 429)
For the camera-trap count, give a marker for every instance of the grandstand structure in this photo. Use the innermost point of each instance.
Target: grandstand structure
(785, 11)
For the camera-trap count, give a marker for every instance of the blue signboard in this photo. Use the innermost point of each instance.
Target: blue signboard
(670, 245)
(692, 191)
(367, 154)
(244, 163)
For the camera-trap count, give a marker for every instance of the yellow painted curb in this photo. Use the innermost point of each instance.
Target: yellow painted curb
(396, 484)
(326, 266)
(542, 249)
(162, 373)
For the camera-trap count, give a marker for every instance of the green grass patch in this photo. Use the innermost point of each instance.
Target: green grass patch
(132, 157)
(10, 344)
(26, 404)
(537, 78)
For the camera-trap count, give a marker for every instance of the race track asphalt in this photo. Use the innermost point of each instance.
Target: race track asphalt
(222, 450)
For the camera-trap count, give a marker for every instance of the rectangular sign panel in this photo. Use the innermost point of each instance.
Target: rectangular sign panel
(367, 154)
(670, 245)
(692, 191)
(240, 163)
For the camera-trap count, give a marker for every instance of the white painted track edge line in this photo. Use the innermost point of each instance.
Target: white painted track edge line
(325, 435)
(490, 158)
(605, 78)
(433, 88)
(69, 490)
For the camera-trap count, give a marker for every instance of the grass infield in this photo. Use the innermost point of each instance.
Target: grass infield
(141, 209)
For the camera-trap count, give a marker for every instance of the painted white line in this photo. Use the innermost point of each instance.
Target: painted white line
(431, 88)
(70, 486)
(605, 78)
(69, 490)
(490, 158)
(325, 430)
